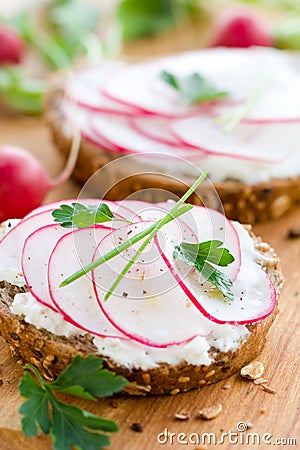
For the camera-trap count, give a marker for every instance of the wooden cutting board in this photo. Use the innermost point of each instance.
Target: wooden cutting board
(276, 414)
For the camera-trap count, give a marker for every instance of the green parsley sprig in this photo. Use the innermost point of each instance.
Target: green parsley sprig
(204, 257)
(178, 210)
(69, 425)
(193, 88)
(81, 216)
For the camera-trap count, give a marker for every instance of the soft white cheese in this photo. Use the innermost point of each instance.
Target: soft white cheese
(41, 316)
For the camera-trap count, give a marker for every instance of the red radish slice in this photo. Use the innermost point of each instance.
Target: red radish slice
(269, 143)
(77, 302)
(11, 246)
(118, 132)
(35, 255)
(207, 224)
(230, 69)
(155, 128)
(148, 297)
(82, 119)
(39, 245)
(84, 89)
(135, 86)
(249, 305)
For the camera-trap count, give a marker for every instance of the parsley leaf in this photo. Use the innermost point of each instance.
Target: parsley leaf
(81, 216)
(193, 88)
(97, 382)
(202, 256)
(69, 425)
(35, 409)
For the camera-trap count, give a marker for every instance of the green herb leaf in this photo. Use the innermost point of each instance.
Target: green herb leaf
(85, 378)
(72, 34)
(69, 426)
(81, 216)
(193, 88)
(149, 17)
(201, 256)
(35, 409)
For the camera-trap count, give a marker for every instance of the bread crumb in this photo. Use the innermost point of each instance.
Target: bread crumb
(211, 412)
(260, 381)
(263, 411)
(226, 386)
(268, 389)
(182, 415)
(253, 371)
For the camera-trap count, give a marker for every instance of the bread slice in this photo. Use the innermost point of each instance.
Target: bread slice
(51, 353)
(247, 203)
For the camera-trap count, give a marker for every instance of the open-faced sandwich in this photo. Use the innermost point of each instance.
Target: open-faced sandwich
(171, 296)
(233, 112)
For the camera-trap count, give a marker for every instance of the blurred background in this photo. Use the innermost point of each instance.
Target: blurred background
(38, 37)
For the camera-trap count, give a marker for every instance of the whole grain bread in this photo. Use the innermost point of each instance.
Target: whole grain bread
(248, 203)
(51, 353)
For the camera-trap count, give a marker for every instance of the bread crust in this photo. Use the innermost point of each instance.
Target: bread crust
(51, 353)
(248, 203)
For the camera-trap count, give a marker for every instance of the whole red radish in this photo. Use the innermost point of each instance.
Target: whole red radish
(241, 28)
(24, 182)
(11, 46)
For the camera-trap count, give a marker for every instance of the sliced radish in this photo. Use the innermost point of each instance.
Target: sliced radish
(261, 143)
(155, 128)
(139, 86)
(118, 132)
(148, 306)
(249, 305)
(230, 69)
(81, 118)
(11, 246)
(35, 256)
(77, 301)
(208, 224)
(84, 89)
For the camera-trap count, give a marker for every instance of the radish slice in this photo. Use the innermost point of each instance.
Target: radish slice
(263, 143)
(77, 302)
(148, 297)
(38, 247)
(207, 224)
(230, 69)
(249, 305)
(84, 89)
(36, 251)
(82, 119)
(118, 132)
(11, 246)
(139, 86)
(155, 128)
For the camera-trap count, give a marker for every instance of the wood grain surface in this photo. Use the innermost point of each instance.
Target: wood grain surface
(244, 402)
